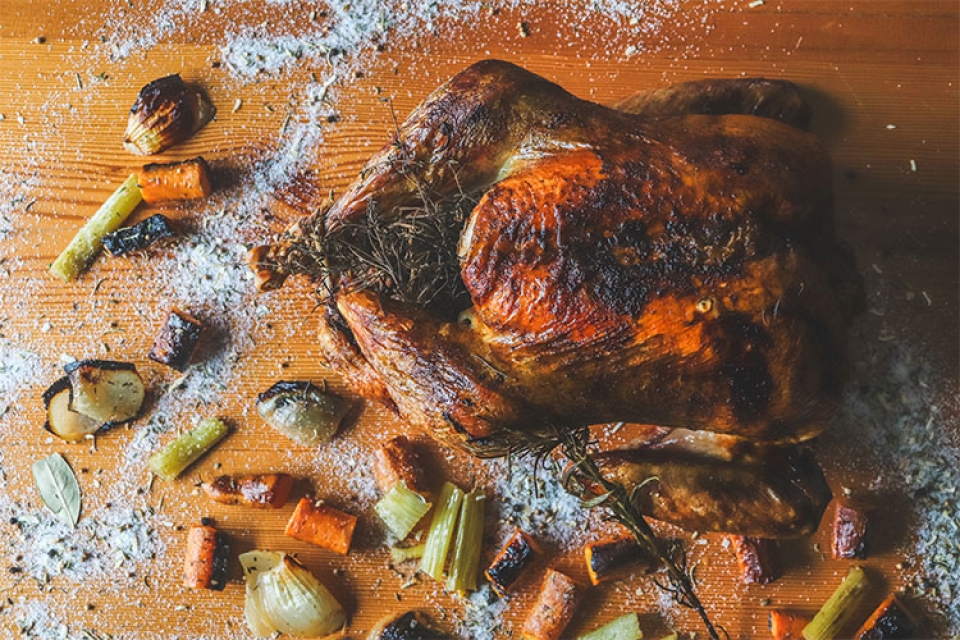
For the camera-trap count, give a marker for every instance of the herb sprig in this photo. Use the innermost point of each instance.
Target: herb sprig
(574, 445)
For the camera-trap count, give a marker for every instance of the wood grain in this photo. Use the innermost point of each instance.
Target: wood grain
(883, 80)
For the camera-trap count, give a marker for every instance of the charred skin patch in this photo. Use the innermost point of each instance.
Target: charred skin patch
(740, 344)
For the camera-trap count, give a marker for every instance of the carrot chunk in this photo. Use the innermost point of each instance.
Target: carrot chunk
(206, 561)
(558, 600)
(322, 525)
(187, 180)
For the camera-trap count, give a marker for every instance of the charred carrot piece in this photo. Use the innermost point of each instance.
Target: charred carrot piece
(206, 561)
(615, 557)
(849, 532)
(757, 558)
(177, 341)
(397, 461)
(889, 621)
(558, 600)
(322, 525)
(786, 626)
(263, 491)
(187, 180)
(514, 558)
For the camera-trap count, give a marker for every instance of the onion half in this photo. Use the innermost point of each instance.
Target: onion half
(284, 596)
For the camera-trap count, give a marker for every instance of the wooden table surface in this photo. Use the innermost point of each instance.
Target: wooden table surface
(882, 77)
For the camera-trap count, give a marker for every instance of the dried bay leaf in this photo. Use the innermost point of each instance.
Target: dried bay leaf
(58, 488)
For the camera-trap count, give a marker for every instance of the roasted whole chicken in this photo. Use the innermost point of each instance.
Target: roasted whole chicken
(667, 261)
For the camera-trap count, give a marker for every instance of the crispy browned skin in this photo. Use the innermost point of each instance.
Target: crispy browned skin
(653, 266)
(774, 99)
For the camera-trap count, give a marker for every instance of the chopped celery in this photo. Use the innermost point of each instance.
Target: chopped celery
(441, 531)
(401, 509)
(402, 554)
(466, 552)
(84, 247)
(169, 462)
(625, 627)
(836, 611)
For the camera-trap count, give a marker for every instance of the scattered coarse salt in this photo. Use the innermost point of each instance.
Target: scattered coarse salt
(891, 127)
(913, 165)
(755, 4)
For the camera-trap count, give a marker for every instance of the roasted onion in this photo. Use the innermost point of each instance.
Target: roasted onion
(284, 596)
(302, 411)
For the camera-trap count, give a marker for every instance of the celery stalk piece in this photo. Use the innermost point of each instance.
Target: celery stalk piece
(402, 554)
(169, 462)
(466, 552)
(625, 627)
(401, 509)
(836, 611)
(441, 531)
(87, 243)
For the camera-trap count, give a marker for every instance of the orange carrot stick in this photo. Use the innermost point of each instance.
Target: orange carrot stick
(786, 626)
(324, 526)
(558, 600)
(206, 559)
(187, 180)
(397, 461)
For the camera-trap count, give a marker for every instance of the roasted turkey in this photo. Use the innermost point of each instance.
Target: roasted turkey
(669, 261)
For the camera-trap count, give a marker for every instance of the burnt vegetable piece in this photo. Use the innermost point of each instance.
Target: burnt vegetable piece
(186, 180)
(105, 390)
(757, 558)
(614, 558)
(61, 420)
(849, 531)
(408, 625)
(890, 621)
(177, 340)
(516, 556)
(264, 491)
(205, 565)
(139, 236)
(166, 112)
(302, 411)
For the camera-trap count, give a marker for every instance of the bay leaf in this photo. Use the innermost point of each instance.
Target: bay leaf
(58, 487)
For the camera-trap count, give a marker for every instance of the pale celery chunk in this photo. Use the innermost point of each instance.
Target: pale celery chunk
(87, 243)
(173, 459)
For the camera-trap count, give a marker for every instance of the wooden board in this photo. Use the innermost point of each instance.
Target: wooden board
(882, 77)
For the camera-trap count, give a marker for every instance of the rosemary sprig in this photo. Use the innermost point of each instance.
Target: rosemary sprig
(573, 444)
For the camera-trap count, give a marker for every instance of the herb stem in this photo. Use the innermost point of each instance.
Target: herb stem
(573, 445)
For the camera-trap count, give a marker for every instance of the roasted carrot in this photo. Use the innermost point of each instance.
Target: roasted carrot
(322, 525)
(177, 341)
(615, 557)
(889, 621)
(757, 558)
(187, 180)
(397, 461)
(849, 531)
(558, 600)
(514, 558)
(786, 626)
(265, 491)
(206, 561)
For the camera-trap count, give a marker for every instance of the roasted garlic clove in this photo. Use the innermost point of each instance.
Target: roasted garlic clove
(166, 112)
